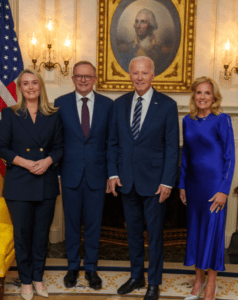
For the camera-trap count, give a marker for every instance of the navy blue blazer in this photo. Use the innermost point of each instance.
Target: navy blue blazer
(82, 154)
(152, 158)
(20, 136)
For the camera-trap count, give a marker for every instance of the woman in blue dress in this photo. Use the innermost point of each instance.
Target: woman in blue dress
(206, 175)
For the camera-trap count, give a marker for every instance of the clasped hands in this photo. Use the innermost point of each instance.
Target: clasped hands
(219, 200)
(164, 191)
(38, 167)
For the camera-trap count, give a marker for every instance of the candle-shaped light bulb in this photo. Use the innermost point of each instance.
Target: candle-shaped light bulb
(67, 42)
(66, 50)
(50, 25)
(33, 40)
(33, 46)
(227, 53)
(227, 45)
(50, 31)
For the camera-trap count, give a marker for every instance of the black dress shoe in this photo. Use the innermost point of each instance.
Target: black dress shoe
(131, 285)
(70, 278)
(95, 282)
(152, 292)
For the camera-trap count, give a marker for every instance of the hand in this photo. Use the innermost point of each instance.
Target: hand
(108, 190)
(29, 164)
(219, 201)
(164, 192)
(113, 183)
(41, 166)
(183, 196)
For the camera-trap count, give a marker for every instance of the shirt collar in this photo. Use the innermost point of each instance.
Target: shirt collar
(90, 96)
(147, 96)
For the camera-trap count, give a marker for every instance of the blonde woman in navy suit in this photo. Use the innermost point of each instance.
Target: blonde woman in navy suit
(31, 143)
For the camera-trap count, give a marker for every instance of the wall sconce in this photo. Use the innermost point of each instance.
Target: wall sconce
(34, 46)
(227, 57)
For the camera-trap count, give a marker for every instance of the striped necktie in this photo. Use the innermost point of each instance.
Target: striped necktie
(135, 127)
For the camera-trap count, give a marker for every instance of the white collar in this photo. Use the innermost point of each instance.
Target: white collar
(147, 96)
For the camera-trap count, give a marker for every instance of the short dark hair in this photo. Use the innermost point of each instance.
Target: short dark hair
(84, 62)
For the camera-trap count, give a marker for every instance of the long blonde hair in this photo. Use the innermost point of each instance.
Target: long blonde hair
(43, 104)
(216, 106)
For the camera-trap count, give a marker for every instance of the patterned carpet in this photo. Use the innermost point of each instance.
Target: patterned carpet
(177, 282)
(88, 297)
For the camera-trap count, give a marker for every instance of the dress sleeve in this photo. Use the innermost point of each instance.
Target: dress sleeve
(56, 150)
(228, 148)
(113, 144)
(183, 168)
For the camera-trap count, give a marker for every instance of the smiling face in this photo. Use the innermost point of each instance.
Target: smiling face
(141, 25)
(204, 97)
(83, 86)
(141, 75)
(30, 87)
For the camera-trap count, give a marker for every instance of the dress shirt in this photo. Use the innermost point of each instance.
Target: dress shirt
(90, 104)
(145, 105)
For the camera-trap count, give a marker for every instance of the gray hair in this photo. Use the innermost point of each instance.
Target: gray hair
(151, 17)
(84, 62)
(138, 58)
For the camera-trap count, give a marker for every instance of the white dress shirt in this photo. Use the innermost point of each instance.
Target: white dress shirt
(90, 104)
(145, 105)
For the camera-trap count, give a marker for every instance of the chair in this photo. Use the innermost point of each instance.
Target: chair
(7, 250)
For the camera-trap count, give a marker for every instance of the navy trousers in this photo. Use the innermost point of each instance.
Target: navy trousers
(31, 224)
(82, 204)
(136, 208)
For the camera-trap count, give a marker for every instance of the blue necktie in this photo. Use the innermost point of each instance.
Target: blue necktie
(135, 127)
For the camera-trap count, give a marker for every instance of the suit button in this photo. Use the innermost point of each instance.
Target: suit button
(28, 149)
(41, 149)
(85, 143)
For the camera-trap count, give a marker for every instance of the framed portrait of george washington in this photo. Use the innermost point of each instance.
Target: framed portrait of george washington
(163, 30)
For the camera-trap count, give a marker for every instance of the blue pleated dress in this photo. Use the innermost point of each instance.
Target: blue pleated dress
(207, 167)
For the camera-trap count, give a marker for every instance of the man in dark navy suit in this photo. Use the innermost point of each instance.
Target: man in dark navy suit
(85, 116)
(143, 149)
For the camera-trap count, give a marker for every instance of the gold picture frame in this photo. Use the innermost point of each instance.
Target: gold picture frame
(173, 56)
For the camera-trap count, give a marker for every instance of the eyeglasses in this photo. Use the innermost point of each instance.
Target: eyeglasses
(81, 77)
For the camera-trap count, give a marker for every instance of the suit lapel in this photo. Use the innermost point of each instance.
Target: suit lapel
(29, 126)
(41, 121)
(154, 105)
(128, 112)
(97, 109)
(74, 116)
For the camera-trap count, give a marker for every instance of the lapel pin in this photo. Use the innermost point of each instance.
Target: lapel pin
(155, 103)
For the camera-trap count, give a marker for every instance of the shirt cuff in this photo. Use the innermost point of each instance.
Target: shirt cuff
(111, 177)
(166, 185)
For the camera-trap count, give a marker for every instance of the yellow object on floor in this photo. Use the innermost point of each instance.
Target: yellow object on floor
(7, 250)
